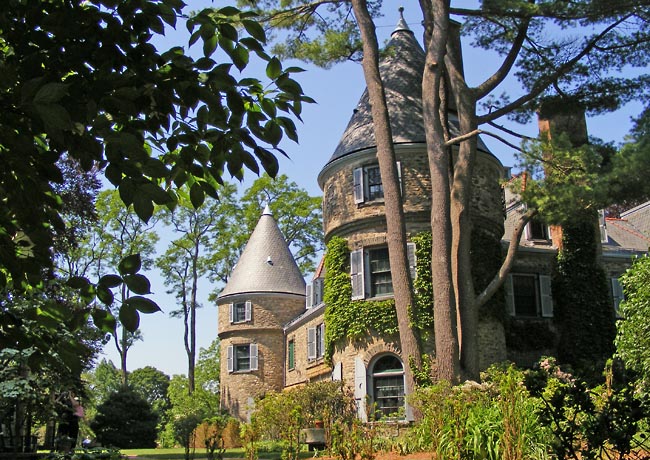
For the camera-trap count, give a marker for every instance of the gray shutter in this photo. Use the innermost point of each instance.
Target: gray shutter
(399, 177)
(602, 226)
(617, 295)
(318, 291)
(230, 365)
(248, 310)
(546, 296)
(356, 272)
(232, 312)
(311, 343)
(510, 296)
(322, 340)
(308, 296)
(357, 181)
(337, 372)
(410, 250)
(360, 387)
(253, 356)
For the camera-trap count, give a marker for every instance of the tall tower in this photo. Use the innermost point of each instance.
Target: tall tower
(265, 291)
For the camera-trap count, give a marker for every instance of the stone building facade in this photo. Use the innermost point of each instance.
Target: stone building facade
(272, 326)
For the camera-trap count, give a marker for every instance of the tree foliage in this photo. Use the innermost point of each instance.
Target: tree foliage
(125, 420)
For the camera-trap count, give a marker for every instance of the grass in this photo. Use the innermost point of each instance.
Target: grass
(177, 454)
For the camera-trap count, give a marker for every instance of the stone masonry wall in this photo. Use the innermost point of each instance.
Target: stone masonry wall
(304, 370)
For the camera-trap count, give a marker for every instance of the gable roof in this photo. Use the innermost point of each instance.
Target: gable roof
(401, 70)
(266, 265)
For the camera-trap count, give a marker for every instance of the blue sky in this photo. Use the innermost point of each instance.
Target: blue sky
(336, 91)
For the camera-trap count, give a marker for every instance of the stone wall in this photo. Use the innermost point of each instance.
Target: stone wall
(304, 370)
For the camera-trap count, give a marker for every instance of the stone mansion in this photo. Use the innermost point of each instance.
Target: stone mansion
(271, 323)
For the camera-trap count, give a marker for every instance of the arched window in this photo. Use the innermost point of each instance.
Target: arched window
(387, 385)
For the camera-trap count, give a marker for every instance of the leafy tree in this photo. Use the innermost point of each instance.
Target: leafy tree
(208, 371)
(186, 260)
(103, 381)
(125, 420)
(153, 121)
(632, 339)
(151, 384)
(582, 71)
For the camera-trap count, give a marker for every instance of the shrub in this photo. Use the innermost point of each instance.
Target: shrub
(125, 420)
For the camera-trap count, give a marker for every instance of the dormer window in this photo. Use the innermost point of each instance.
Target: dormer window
(367, 183)
(241, 312)
(537, 230)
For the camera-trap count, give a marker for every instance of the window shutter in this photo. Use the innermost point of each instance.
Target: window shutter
(318, 291)
(357, 178)
(546, 296)
(356, 272)
(248, 310)
(399, 177)
(322, 340)
(308, 296)
(311, 343)
(510, 296)
(602, 226)
(527, 232)
(617, 295)
(253, 356)
(231, 350)
(360, 387)
(232, 312)
(337, 372)
(410, 250)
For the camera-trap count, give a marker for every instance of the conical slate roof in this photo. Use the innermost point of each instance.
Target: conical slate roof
(266, 265)
(401, 72)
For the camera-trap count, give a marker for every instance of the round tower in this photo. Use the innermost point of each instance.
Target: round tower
(264, 292)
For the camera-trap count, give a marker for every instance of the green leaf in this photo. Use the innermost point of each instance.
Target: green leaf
(104, 320)
(197, 196)
(155, 168)
(129, 317)
(228, 32)
(273, 132)
(274, 68)
(130, 265)
(209, 45)
(78, 282)
(110, 281)
(143, 304)
(51, 93)
(143, 207)
(255, 30)
(138, 283)
(228, 11)
(104, 294)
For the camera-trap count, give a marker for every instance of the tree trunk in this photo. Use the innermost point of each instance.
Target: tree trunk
(436, 14)
(394, 211)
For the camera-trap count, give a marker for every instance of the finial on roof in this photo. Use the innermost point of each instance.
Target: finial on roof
(401, 25)
(267, 210)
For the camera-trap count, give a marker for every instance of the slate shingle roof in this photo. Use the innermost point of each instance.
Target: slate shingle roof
(401, 71)
(266, 264)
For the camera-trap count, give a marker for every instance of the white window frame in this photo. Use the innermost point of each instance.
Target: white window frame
(248, 312)
(360, 183)
(360, 270)
(529, 231)
(543, 295)
(253, 358)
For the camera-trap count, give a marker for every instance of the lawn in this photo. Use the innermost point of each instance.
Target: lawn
(179, 454)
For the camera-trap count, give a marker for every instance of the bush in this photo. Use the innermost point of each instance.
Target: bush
(125, 420)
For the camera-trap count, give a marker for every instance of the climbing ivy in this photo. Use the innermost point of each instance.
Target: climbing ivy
(352, 319)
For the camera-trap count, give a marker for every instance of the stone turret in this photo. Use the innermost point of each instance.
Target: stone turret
(264, 292)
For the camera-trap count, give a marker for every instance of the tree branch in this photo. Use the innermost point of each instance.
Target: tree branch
(500, 277)
(497, 77)
(544, 82)
(510, 132)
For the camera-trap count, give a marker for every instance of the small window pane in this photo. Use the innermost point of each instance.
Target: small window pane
(375, 189)
(388, 385)
(242, 358)
(525, 293)
(239, 313)
(381, 282)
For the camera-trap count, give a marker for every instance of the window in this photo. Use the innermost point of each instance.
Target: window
(617, 295)
(529, 295)
(242, 358)
(387, 385)
(291, 354)
(536, 230)
(240, 312)
(370, 271)
(367, 183)
(316, 342)
(314, 293)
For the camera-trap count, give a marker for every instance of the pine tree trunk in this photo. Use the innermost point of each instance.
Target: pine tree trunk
(394, 211)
